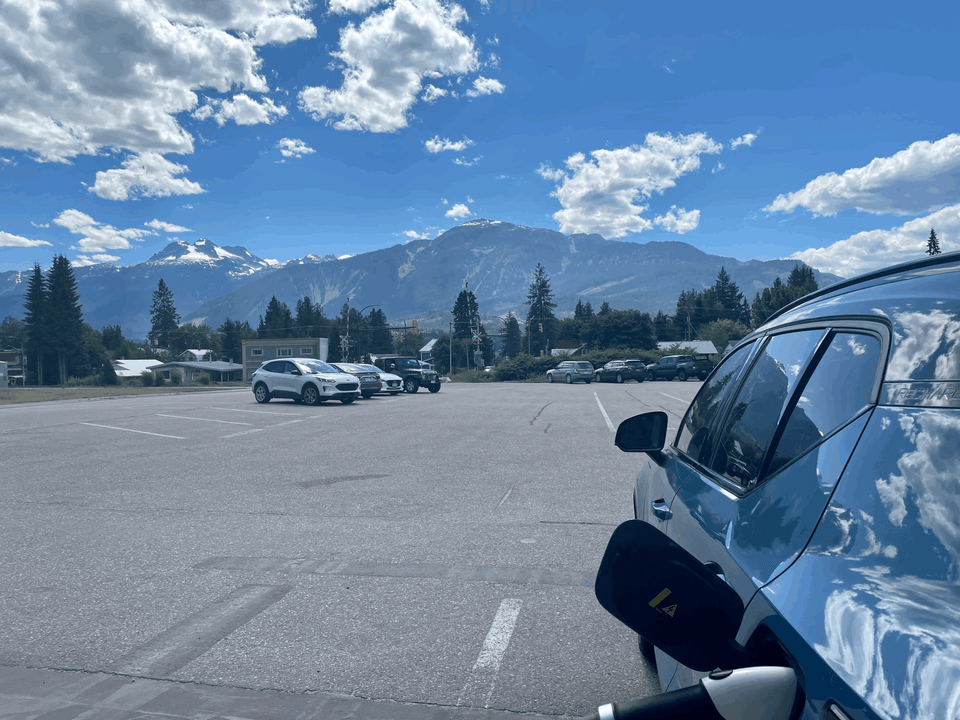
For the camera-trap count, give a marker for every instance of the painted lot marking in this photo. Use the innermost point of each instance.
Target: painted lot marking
(258, 412)
(675, 398)
(193, 636)
(483, 677)
(605, 416)
(242, 432)
(141, 432)
(181, 417)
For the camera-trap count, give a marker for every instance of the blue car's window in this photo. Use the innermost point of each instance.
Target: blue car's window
(763, 397)
(694, 430)
(839, 387)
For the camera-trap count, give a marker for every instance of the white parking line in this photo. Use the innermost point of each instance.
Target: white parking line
(674, 398)
(605, 416)
(242, 432)
(483, 677)
(142, 432)
(181, 417)
(258, 412)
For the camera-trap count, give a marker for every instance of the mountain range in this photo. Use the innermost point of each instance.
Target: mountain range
(419, 279)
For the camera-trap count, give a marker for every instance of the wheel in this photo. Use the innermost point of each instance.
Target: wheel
(410, 385)
(640, 379)
(589, 381)
(681, 375)
(434, 388)
(647, 649)
(619, 378)
(367, 395)
(549, 378)
(310, 395)
(261, 393)
(569, 380)
(348, 400)
(395, 393)
(703, 377)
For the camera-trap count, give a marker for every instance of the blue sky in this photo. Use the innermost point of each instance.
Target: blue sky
(826, 132)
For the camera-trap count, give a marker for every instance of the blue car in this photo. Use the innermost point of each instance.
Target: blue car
(816, 476)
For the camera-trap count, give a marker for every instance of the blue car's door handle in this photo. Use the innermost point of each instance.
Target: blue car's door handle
(660, 509)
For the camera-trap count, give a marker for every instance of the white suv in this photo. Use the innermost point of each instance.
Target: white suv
(303, 380)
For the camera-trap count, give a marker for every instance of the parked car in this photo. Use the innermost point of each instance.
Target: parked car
(303, 380)
(392, 384)
(571, 371)
(680, 367)
(816, 472)
(620, 371)
(369, 379)
(413, 373)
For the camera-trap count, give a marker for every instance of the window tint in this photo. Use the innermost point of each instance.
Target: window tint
(703, 410)
(274, 367)
(840, 386)
(762, 399)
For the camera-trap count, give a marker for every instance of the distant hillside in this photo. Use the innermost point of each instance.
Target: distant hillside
(420, 279)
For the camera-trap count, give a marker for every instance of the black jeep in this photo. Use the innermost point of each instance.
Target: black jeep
(413, 374)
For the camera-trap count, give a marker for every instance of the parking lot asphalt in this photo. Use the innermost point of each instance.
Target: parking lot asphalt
(420, 555)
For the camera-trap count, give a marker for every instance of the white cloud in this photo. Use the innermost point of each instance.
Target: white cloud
(485, 86)
(147, 175)
(437, 145)
(875, 249)
(242, 109)
(10, 240)
(89, 75)
(680, 222)
(469, 199)
(742, 140)
(165, 226)
(718, 168)
(98, 237)
(467, 163)
(485, 5)
(599, 195)
(458, 211)
(291, 147)
(414, 235)
(385, 59)
(444, 201)
(86, 260)
(8, 161)
(432, 93)
(40, 225)
(919, 179)
(360, 7)
(493, 61)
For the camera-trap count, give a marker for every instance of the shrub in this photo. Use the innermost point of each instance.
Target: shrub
(108, 376)
(88, 381)
(147, 378)
(158, 380)
(472, 376)
(175, 378)
(204, 379)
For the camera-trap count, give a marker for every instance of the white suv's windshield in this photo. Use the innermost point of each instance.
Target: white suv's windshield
(315, 367)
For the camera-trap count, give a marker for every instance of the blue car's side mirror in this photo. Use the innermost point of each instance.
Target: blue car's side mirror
(642, 433)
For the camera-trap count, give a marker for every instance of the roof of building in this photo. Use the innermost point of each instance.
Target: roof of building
(703, 347)
(196, 353)
(133, 368)
(216, 365)
(429, 346)
(567, 344)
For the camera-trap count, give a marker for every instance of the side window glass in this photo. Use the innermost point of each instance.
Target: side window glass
(840, 386)
(700, 415)
(273, 367)
(763, 397)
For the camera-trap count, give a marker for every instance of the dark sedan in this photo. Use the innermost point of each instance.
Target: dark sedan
(620, 371)
(369, 381)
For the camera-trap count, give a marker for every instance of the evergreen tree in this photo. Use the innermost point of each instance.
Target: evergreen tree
(466, 315)
(663, 327)
(802, 279)
(310, 320)
(37, 333)
(541, 321)
(13, 333)
(378, 339)
(277, 322)
(933, 245)
(587, 310)
(65, 320)
(511, 337)
(232, 335)
(163, 315)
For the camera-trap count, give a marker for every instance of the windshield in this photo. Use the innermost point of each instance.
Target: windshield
(315, 367)
(407, 363)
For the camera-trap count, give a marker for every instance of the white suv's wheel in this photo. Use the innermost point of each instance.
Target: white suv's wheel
(261, 393)
(310, 395)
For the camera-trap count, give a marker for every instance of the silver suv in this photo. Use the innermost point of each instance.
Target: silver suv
(570, 371)
(303, 380)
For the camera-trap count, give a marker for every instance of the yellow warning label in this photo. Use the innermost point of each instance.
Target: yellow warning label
(670, 610)
(660, 598)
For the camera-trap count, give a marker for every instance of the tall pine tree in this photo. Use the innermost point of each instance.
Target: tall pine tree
(541, 322)
(163, 316)
(277, 321)
(933, 245)
(38, 336)
(65, 320)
